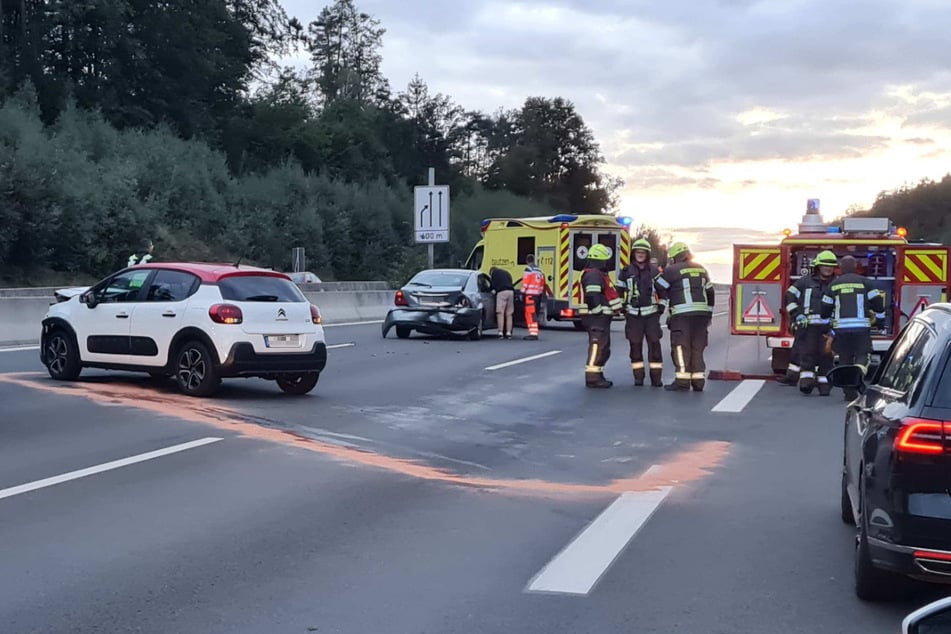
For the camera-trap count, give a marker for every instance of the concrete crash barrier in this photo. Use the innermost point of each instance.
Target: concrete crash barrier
(22, 310)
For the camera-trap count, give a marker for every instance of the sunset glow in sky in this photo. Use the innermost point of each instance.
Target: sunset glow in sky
(716, 113)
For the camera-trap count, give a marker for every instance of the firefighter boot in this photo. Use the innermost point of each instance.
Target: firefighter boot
(638, 373)
(678, 386)
(807, 384)
(596, 380)
(656, 380)
(825, 388)
(790, 378)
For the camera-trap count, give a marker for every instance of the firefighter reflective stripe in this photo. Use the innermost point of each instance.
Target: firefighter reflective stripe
(929, 266)
(794, 291)
(656, 365)
(692, 307)
(660, 281)
(807, 375)
(681, 372)
(590, 366)
(697, 376)
(823, 379)
(642, 311)
(637, 365)
(792, 367)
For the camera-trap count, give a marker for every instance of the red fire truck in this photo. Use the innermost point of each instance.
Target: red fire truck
(912, 275)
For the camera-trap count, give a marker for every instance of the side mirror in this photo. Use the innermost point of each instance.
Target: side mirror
(934, 618)
(848, 376)
(89, 299)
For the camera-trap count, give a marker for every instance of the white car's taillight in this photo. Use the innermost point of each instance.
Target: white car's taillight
(225, 314)
(315, 314)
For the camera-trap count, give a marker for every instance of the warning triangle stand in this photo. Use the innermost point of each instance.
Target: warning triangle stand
(758, 312)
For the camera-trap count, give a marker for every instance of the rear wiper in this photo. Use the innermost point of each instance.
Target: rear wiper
(420, 284)
(262, 298)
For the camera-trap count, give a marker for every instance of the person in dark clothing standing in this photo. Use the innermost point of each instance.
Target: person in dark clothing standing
(504, 300)
(687, 289)
(806, 313)
(854, 306)
(602, 302)
(643, 308)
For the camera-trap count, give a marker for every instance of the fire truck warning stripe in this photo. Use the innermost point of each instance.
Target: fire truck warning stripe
(925, 267)
(761, 266)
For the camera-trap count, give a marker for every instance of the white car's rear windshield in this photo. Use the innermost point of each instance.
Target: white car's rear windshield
(259, 288)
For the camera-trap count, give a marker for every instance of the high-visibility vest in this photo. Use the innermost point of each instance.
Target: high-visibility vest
(533, 282)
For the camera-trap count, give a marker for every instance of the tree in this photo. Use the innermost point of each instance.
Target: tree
(344, 46)
(547, 152)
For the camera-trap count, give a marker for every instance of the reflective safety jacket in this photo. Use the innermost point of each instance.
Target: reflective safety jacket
(641, 296)
(805, 298)
(851, 301)
(600, 296)
(533, 281)
(687, 288)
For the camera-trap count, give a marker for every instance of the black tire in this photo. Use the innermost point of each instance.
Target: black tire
(403, 332)
(196, 372)
(847, 515)
(476, 333)
(61, 356)
(579, 325)
(298, 384)
(541, 314)
(871, 583)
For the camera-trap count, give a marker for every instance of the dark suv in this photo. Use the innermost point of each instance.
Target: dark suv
(897, 461)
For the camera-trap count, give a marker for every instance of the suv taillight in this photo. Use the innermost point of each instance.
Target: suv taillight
(922, 436)
(225, 314)
(315, 314)
(400, 299)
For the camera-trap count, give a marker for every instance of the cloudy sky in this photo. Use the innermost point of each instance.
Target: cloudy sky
(716, 113)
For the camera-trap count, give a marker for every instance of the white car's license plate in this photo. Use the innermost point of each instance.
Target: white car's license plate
(282, 341)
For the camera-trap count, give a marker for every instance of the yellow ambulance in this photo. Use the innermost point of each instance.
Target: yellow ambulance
(560, 245)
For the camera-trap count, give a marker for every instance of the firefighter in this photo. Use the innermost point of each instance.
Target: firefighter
(143, 255)
(602, 302)
(811, 327)
(849, 302)
(643, 308)
(533, 286)
(688, 291)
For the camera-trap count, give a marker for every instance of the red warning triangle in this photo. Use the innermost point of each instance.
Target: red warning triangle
(921, 305)
(758, 312)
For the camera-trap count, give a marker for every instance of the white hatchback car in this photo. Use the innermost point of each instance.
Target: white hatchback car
(198, 323)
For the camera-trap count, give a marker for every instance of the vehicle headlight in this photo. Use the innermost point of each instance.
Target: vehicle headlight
(463, 302)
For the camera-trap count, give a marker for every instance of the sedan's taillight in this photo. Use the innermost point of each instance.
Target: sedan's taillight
(315, 314)
(922, 436)
(225, 314)
(400, 299)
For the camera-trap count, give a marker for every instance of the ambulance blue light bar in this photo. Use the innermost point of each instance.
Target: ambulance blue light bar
(563, 218)
(833, 230)
(625, 221)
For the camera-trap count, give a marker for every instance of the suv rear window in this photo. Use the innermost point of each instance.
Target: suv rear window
(259, 288)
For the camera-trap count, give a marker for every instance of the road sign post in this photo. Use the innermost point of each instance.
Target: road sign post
(431, 214)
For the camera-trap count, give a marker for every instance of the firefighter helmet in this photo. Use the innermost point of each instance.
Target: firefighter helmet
(677, 248)
(826, 258)
(641, 245)
(599, 252)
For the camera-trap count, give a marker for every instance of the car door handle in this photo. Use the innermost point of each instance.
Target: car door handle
(168, 313)
(122, 315)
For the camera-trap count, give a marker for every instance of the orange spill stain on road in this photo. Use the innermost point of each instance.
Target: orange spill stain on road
(687, 466)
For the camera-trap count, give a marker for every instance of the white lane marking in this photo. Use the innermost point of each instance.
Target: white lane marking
(524, 360)
(19, 349)
(582, 563)
(740, 397)
(341, 345)
(726, 312)
(354, 323)
(107, 466)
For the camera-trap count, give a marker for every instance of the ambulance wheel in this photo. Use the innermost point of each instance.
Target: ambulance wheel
(578, 325)
(541, 314)
(780, 360)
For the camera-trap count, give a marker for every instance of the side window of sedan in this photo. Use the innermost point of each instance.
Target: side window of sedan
(125, 287)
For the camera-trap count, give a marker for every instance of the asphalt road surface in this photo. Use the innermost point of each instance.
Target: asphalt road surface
(427, 486)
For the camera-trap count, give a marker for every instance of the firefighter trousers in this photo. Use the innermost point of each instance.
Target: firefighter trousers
(795, 358)
(688, 340)
(599, 347)
(854, 347)
(816, 361)
(636, 329)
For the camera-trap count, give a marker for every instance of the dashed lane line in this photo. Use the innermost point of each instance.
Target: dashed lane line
(523, 360)
(740, 396)
(107, 466)
(585, 560)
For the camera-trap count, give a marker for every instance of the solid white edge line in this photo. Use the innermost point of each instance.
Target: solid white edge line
(107, 466)
(586, 559)
(19, 349)
(341, 345)
(523, 360)
(740, 396)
